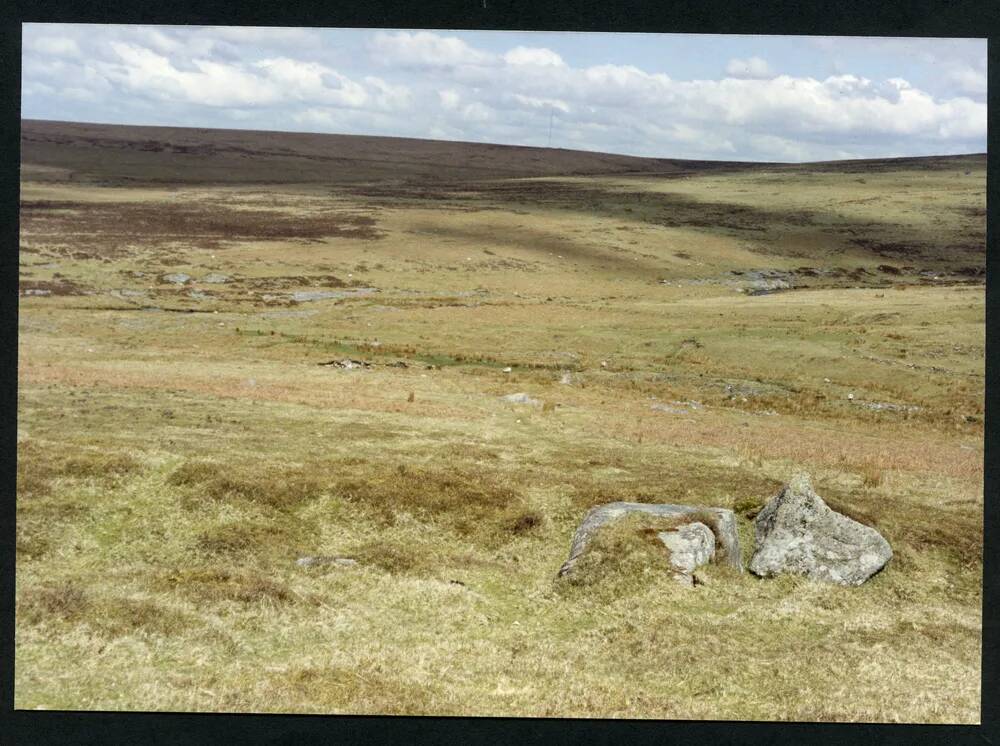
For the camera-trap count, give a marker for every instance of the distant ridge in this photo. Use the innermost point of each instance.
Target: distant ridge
(126, 154)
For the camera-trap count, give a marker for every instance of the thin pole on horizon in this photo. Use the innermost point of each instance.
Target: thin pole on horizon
(551, 113)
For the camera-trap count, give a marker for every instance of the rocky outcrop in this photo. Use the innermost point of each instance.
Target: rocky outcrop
(798, 533)
(724, 534)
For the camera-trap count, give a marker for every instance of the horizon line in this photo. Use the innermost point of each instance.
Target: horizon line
(506, 145)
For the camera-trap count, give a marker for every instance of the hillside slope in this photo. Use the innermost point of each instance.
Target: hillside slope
(118, 153)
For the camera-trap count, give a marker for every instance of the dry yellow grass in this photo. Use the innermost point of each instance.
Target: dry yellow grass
(174, 465)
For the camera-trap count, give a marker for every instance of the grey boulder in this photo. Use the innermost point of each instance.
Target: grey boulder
(798, 533)
(728, 538)
(691, 546)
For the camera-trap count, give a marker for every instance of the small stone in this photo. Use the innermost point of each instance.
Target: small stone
(176, 278)
(691, 546)
(667, 408)
(521, 398)
(348, 364)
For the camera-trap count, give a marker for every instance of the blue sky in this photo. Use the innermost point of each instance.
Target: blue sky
(668, 95)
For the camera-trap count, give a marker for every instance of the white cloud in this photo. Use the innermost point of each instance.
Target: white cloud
(388, 96)
(298, 37)
(423, 83)
(754, 67)
(541, 103)
(477, 112)
(311, 81)
(77, 93)
(165, 43)
(968, 79)
(449, 98)
(538, 56)
(315, 116)
(265, 82)
(211, 84)
(425, 49)
(56, 46)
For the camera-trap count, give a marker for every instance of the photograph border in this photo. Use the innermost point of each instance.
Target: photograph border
(963, 18)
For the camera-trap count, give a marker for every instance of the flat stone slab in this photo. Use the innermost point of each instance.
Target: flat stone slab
(728, 537)
(799, 534)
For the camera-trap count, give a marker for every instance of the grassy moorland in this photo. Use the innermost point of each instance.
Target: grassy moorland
(181, 443)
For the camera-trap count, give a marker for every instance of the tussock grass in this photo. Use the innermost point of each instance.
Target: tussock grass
(396, 558)
(125, 618)
(265, 484)
(353, 689)
(39, 466)
(102, 466)
(65, 601)
(872, 474)
(248, 536)
(476, 503)
(211, 585)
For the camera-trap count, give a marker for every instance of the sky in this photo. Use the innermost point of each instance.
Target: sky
(718, 97)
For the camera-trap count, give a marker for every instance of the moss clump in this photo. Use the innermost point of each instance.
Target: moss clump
(748, 506)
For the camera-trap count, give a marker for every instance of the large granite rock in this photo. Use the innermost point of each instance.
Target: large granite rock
(691, 546)
(725, 528)
(798, 533)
